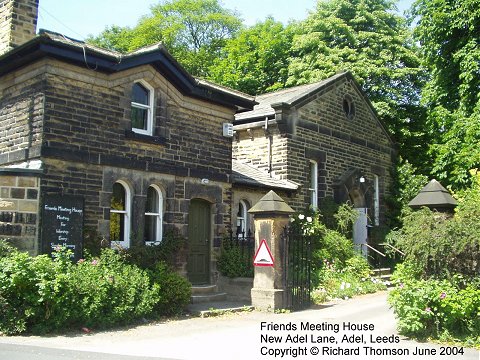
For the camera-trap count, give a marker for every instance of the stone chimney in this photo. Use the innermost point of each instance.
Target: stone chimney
(18, 23)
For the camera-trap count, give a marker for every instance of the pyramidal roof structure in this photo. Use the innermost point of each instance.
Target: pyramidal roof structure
(434, 196)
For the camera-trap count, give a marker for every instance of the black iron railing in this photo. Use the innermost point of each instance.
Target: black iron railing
(298, 269)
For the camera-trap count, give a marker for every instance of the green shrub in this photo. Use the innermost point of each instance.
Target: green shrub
(345, 280)
(442, 246)
(337, 271)
(235, 260)
(333, 246)
(110, 292)
(147, 257)
(175, 291)
(32, 293)
(445, 309)
(5, 248)
(41, 294)
(326, 243)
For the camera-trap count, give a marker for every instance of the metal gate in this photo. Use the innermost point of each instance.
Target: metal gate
(298, 253)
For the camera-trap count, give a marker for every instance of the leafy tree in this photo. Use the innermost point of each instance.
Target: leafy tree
(113, 38)
(194, 31)
(449, 34)
(369, 39)
(256, 60)
(407, 184)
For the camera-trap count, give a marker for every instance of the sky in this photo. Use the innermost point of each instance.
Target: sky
(80, 18)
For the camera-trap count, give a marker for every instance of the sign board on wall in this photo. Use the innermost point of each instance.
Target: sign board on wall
(62, 223)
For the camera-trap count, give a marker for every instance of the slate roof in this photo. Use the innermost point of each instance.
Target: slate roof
(58, 46)
(246, 174)
(433, 195)
(289, 96)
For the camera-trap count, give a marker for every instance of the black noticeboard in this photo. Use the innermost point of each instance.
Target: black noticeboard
(62, 223)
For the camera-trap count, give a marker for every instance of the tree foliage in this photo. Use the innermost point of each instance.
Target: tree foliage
(194, 32)
(424, 84)
(449, 35)
(369, 39)
(256, 60)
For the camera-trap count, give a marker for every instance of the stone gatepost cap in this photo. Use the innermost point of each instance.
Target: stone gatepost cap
(271, 203)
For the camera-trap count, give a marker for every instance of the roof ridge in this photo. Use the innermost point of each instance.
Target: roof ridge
(297, 87)
(289, 89)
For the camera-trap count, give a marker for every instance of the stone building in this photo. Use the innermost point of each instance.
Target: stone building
(123, 145)
(313, 142)
(129, 146)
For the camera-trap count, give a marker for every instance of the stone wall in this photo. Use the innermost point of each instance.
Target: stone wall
(318, 129)
(323, 133)
(237, 289)
(19, 206)
(88, 145)
(18, 22)
(251, 196)
(267, 151)
(21, 115)
(77, 121)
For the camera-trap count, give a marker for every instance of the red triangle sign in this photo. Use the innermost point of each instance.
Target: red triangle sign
(263, 257)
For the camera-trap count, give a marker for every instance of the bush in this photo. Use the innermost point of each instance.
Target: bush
(334, 247)
(327, 243)
(31, 293)
(236, 259)
(5, 248)
(441, 246)
(445, 309)
(175, 290)
(338, 272)
(41, 294)
(109, 292)
(345, 281)
(147, 257)
(438, 289)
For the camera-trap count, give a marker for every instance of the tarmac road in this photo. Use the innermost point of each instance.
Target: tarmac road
(360, 328)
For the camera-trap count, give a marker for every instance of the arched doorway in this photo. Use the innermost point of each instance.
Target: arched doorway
(199, 235)
(352, 187)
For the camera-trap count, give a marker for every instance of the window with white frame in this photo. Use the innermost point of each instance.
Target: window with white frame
(313, 184)
(142, 108)
(376, 200)
(120, 205)
(153, 230)
(242, 218)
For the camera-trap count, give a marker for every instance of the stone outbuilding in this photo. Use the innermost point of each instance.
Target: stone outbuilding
(313, 142)
(124, 147)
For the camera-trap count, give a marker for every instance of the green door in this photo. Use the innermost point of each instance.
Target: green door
(199, 242)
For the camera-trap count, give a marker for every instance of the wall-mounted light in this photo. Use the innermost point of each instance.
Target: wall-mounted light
(361, 179)
(205, 181)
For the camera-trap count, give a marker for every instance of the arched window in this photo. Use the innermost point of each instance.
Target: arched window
(153, 230)
(142, 108)
(242, 218)
(120, 205)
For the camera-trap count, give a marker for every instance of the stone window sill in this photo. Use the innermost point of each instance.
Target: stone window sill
(131, 135)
